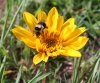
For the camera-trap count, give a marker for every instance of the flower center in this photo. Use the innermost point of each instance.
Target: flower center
(50, 40)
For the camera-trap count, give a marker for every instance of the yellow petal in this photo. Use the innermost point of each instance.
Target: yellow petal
(70, 22)
(37, 58)
(67, 28)
(60, 23)
(38, 45)
(44, 57)
(71, 52)
(79, 43)
(29, 42)
(40, 57)
(30, 20)
(53, 54)
(42, 16)
(24, 35)
(65, 33)
(22, 32)
(74, 34)
(52, 19)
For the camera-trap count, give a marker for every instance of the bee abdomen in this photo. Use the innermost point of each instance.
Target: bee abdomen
(37, 28)
(43, 24)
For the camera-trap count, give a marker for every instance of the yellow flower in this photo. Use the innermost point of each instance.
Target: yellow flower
(59, 38)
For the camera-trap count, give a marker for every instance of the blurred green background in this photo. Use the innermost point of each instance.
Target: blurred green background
(14, 53)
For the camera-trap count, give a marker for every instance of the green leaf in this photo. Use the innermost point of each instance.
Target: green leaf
(19, 75)
(34, 80)
(61, 59)
(2, 69)
(41, 68)
(14, 17)
(53, 64)
(57, 69)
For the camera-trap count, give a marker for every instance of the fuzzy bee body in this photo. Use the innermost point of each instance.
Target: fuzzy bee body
(39, 28)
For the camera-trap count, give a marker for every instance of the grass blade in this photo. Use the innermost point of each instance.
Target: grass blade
(19, 75)
(2, 69)
(14, 17)
(39, 78)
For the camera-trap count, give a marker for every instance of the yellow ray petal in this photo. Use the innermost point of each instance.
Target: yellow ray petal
(57, 53)
(37, 58)
(60, 23)
(24, 35)
(65, 33)
(22, 32)
(38, 46)
(66, 43)
(79, 43)
(45, 57)
(52, 19)
(42, 16)
(54, 54)
(71, 52)
(74, 34)
(67, 28)
(29, 42)
(70, 22)
(30, 20)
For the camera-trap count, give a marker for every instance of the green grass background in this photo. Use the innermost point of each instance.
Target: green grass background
(16, 64)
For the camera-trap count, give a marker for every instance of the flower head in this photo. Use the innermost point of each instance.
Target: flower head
(59, 38)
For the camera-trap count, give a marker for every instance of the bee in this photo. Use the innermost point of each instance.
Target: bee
(39, 28)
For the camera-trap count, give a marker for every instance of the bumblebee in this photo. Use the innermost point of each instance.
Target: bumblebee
(39, 28)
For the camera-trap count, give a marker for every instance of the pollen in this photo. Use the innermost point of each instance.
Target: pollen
(50, 40)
